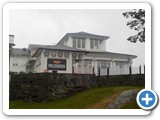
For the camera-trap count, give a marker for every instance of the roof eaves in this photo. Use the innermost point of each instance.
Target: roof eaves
(133, 56)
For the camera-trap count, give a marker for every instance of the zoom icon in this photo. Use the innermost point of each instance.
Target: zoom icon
(147, 99)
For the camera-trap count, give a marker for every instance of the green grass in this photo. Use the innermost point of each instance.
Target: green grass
(81, 100)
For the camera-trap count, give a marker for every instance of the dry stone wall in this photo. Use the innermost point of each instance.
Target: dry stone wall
(50, 86)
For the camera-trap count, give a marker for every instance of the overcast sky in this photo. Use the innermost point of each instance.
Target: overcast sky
(49, 26)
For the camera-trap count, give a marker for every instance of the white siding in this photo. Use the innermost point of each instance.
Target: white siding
(18, 64)
(69, 42)
(43, 66)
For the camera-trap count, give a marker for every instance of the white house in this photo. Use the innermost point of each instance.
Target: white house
(17, 57)
(18, 60)
(78, 53)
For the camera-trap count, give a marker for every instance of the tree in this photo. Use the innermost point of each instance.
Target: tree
(137, 23)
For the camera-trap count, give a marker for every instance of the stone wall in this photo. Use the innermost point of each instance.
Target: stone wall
(119, 80)
(49, 86)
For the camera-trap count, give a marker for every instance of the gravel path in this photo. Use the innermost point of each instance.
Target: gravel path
(123, 98)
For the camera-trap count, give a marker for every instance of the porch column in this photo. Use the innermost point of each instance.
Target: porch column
(112, 67)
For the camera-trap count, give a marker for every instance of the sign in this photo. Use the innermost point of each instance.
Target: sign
(56, 64)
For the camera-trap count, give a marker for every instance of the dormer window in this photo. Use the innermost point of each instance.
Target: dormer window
(95, 44)
(78, 43)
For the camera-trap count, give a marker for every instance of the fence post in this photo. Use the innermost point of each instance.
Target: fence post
(130, 70)
(140, 69)
(144, 69)
(93, 70)
(107, 71)
(99, 71)
(72, 69)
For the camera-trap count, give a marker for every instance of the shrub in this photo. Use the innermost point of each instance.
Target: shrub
(21, 72)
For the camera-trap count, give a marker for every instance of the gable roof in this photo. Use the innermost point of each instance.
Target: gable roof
(83, 35)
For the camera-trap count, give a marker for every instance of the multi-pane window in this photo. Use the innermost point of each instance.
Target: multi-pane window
(100, 44)
(103, 64)
(80, 63)
(15, 64)
(92, 44)
(120, 64)
(96, 44)
(87, 63)
(83, 43)
(78, 43)
(74, 43)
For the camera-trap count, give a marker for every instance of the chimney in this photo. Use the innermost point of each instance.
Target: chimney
(11, 41)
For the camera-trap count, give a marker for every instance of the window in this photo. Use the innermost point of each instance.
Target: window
(83, 43)
(92, 44)
(103, 64)
(15, 64)
(100, 44)
(96, 44)
(74, 43)
(87, 63)
(80, 63)
(78, 43)
(120, 64)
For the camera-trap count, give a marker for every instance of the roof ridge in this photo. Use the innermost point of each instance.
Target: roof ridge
(86, 33)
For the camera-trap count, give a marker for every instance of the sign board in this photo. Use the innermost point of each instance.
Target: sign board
(56, 64)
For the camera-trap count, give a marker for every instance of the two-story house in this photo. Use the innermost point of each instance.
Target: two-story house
(79, 53)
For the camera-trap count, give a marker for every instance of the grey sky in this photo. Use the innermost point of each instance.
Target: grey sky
(49, 26)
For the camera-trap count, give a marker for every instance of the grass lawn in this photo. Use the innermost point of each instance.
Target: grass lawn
(92, 98)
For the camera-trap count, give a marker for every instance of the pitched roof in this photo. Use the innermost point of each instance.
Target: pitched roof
(19, 52)
(110, 55)
(88, 35)
(62, 47)
(54, 47)
(83, 35)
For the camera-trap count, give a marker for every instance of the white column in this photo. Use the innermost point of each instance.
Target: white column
(87, 42)
(112, 67)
